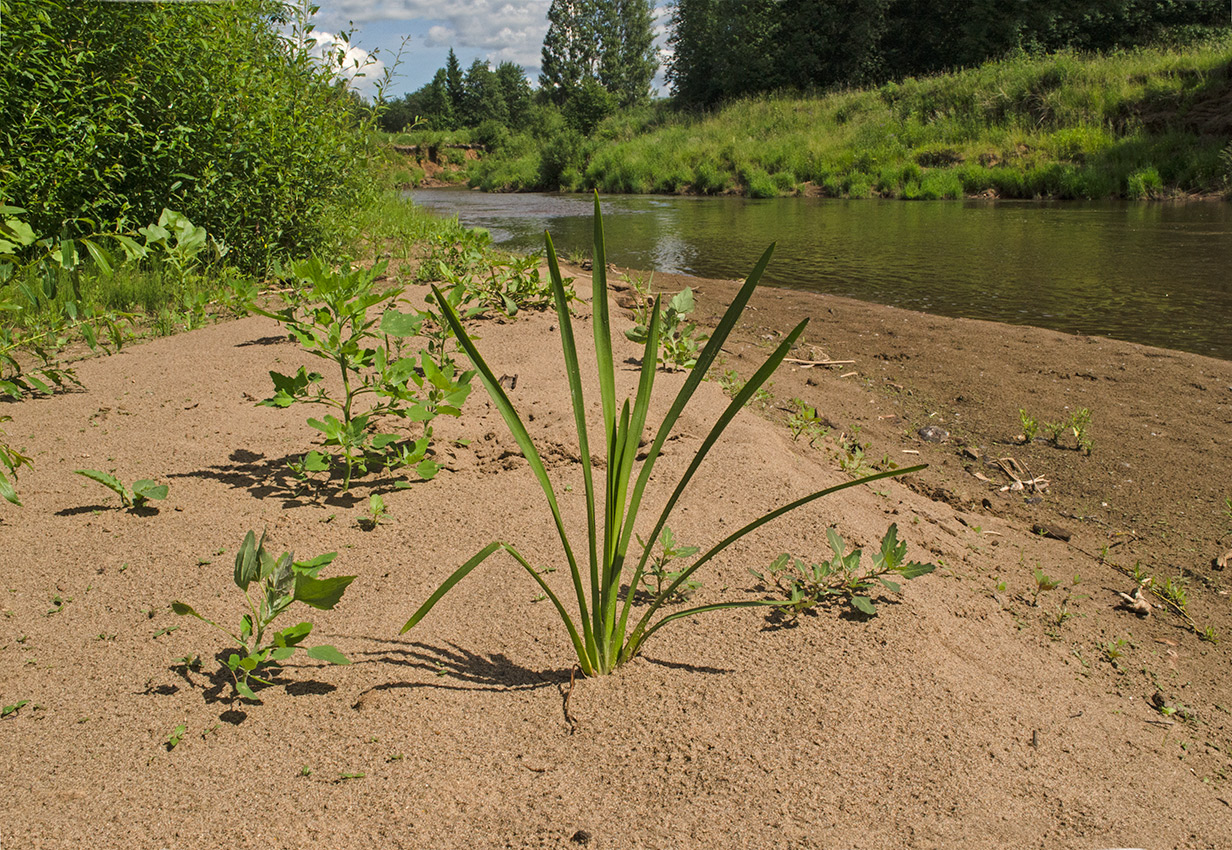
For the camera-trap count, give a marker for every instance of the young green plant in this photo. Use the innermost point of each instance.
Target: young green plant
(329, 315)
(840, 579)
(135, 499)
(12, 460)
(602, 636)
(281, 583)
(657, 575)
(679, 340)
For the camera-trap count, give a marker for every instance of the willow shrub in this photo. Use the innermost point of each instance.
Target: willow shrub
(601, 635)
(110, 112)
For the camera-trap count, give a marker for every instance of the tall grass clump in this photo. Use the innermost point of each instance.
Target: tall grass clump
(600, 629)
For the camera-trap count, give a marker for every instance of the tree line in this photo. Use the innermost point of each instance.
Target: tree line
(599, 57)
(724, 49)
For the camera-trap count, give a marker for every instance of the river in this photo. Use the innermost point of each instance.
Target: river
(1155, 273)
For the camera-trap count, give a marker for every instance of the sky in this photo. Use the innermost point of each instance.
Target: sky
(495, 30)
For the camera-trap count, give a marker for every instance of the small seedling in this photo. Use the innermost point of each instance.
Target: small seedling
(1078, 424)
(803, 421)
(809, 585)
(852, 460)
(1043, 584)
(137, 498)
(657, 576)
(1114, 650)
(177, 735)
(283, 581)
(376, 512)
(1030, 426)
(14, 708)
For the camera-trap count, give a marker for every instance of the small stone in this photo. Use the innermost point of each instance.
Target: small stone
(582, 837)
(933, 434)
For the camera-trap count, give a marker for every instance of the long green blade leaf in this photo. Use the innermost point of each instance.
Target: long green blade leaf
(638, 631)
(574, 373)
(458, 574)
(520, 434)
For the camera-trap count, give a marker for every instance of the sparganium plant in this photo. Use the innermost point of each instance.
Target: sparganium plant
(602, 635)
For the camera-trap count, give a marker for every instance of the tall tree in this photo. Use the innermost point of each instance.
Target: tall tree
(611, 43)
(628, 58)
(514, 88)
(481, 97)
(454, 81)
(436, 104)
(694, 37)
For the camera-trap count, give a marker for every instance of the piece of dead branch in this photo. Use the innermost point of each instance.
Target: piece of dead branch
(1020, 477)
(809, 364)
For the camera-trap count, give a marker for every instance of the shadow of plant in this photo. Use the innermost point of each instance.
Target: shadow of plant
(272, 478)
(492, 672)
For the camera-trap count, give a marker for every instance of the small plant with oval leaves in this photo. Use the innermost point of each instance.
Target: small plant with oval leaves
(280, 583)
(841, 578)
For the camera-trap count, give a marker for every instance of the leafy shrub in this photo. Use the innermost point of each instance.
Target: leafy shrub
(329, 315)
(112, 112)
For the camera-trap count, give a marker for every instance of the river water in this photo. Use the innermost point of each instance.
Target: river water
(1155, 273)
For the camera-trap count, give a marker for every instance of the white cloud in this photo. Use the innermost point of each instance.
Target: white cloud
(357, 66)
(501, 30)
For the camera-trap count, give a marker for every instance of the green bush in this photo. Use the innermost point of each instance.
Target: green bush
(1143, 184)
(111, 112)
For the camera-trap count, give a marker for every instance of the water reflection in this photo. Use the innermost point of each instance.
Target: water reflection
(1146, 272)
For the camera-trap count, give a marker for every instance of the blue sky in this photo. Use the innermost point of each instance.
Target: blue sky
(495, 30)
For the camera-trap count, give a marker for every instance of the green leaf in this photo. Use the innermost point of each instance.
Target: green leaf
(247, 562)
(107, 480)
(185, 610)
(321, 593)
(427, 469)
(293, 635)
(316, 461)
(242, 688)
(101, 259)
(682, 301)
(915, 570)
(147, 489)
(864, 605)
(282, 653)
(327, 653)
(891, 585)
(401, 325)
(7, 491)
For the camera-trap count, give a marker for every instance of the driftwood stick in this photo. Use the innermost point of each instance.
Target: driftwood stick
(809, 364)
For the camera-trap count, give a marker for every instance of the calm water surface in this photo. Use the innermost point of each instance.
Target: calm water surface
(1153, 273)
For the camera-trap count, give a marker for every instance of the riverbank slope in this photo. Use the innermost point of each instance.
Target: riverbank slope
(1141, 124)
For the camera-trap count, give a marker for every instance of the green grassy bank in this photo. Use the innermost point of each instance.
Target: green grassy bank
(1141, 124)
